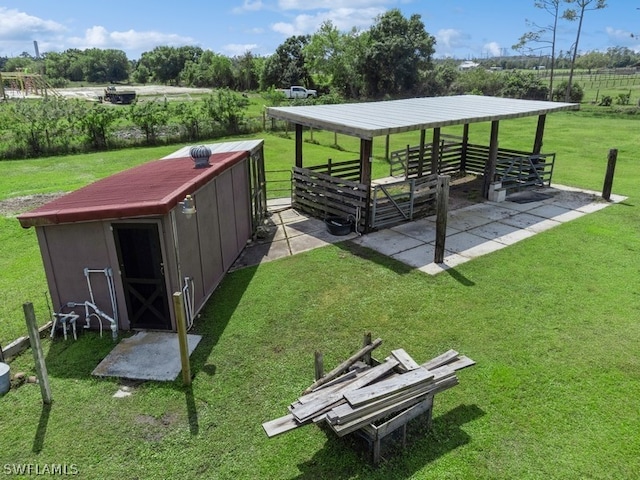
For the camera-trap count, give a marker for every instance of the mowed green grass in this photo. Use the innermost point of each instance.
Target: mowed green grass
(552, 323)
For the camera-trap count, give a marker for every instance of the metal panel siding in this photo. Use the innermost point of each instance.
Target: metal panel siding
(372, 119)
(72, 248)
(226, 219)
(209, 234)
(241, 202)
(189, 251)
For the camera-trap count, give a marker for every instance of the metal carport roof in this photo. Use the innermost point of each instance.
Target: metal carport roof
(372, 119)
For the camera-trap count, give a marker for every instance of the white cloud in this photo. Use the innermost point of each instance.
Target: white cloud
(342, 18)
(624, 37)
(249, 6)
(237, 50)
(15, 25)
(332, 4)
(449, 40)
(131, 40)
(492, 48)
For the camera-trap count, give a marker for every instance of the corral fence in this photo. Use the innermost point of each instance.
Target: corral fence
(516, 169)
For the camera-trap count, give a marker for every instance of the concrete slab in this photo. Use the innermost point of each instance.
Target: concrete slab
(257, 253)
(146, 356)
(417, 257)
(388, 242)
(555, 212)
(502, 232)
(532, 222)
(465, 219)
(423, 230)
(303, 226)
(470, 245)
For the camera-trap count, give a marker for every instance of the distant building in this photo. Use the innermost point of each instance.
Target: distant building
(468, 65)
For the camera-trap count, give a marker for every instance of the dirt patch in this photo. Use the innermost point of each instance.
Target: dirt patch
(11, 207)
(465, 191)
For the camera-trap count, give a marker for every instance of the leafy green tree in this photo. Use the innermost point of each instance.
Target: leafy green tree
(287, 65)
(246, 72)
(96, 122)
(141, 74)
(41, 127)
(190, 117)
(526, 85)
(210, 70)
(577, 13)
(478, 81)
(560, 92)
(397, 50)
(166, 63)
(592, 61)
(105, 66)
(333, 59)
(227, 109)
(149, 117)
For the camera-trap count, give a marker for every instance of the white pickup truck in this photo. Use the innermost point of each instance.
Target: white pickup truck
(298, 92)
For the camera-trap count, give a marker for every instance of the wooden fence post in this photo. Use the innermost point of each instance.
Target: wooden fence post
(442, 211)
(319, 365)
(178, 306)
(38, 356)
(608, 178)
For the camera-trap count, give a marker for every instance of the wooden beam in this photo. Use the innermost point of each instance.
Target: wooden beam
(366, 152)
(423, 135)
(608, 178)
(298, 145)
(465, 148)
(345, 365)
(442, 212)
(490, 166)
(38, 355)
(537, 144)
(435, 150)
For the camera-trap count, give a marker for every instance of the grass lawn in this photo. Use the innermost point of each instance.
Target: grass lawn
(552, 323)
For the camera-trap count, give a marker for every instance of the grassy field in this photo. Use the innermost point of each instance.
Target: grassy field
(552, 323)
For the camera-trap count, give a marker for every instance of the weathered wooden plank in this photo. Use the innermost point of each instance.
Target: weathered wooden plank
(388, 386)
(406, 362)
(345, 412)
(305, 411)
(327, 178)
(343, 429)
(402, 418)
(446, 357)
(462, 362)
(281, 425)
(345, 365)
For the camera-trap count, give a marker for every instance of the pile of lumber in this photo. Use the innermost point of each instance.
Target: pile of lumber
(356, 393)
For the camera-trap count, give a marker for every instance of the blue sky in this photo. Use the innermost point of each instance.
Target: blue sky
(463, 29)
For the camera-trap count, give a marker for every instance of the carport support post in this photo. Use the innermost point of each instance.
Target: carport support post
(537, 144)
(423, 135)
(298, 145)
(465, 148)
(178, 307)
(366, 152)
(442, 210)
(435, 150)
(38, 356)
(490, 166)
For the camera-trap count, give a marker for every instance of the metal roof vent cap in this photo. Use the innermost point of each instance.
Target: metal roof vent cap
(200, 155)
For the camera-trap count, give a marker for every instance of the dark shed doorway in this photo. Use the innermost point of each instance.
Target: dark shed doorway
(142, 272)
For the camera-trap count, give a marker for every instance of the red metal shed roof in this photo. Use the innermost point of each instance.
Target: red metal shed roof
(153, 188)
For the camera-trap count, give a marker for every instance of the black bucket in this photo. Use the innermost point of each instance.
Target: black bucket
(338, 226)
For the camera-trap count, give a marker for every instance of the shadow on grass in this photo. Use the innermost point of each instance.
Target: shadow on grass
(460, 278)
(350, 456)
(41, 431)
(371, 255)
